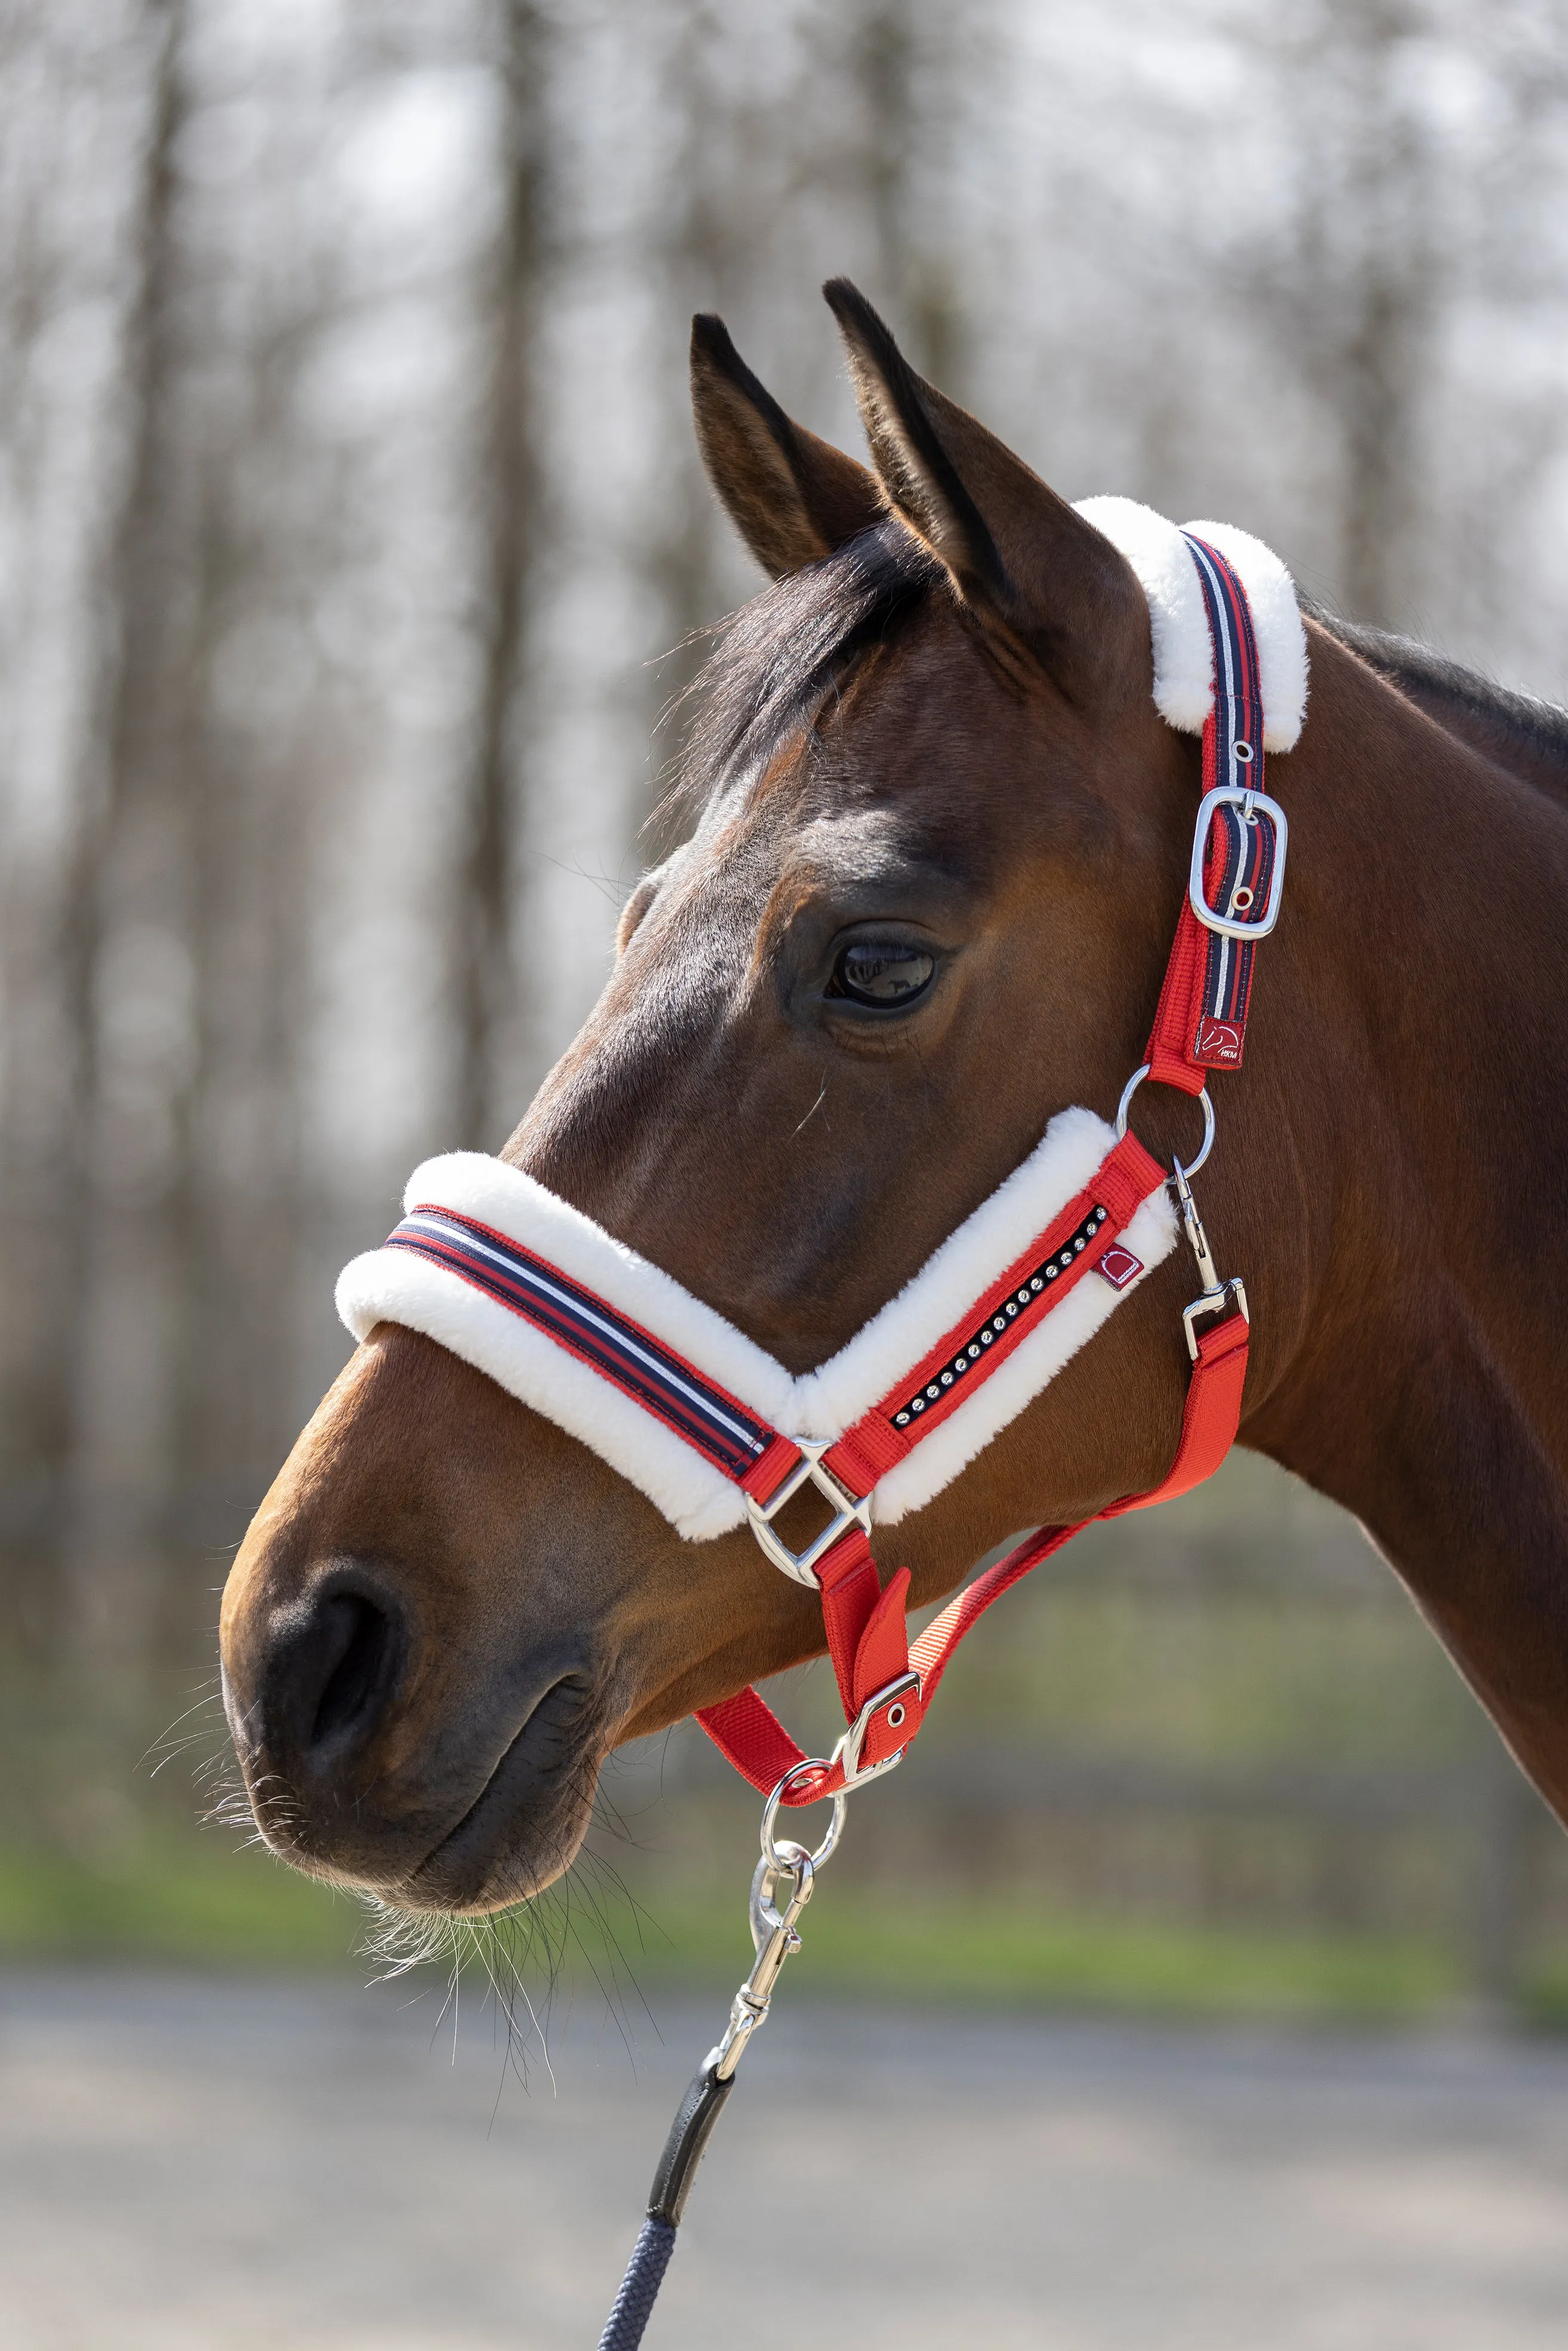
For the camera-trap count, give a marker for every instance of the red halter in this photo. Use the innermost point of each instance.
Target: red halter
(886, 1683)
(556, 1305)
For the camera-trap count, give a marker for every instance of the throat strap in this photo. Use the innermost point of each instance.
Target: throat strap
(886, 1682)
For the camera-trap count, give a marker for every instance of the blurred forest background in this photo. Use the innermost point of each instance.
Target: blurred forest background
(352, 543)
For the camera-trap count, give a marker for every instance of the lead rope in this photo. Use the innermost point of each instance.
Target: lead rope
(1214, 1401)
(1219, 1361)
(774, 1936)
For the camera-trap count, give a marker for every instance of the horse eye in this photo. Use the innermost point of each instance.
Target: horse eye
(874, 972)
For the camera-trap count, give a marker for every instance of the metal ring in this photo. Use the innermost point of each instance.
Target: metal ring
(1244, 752)
(783, 1856)
(1131, 1088)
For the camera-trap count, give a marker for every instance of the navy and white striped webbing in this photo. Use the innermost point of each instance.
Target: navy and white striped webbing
(1241, 855)
(732, 1437)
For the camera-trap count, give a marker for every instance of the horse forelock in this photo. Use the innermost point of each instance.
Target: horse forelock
(777, 659)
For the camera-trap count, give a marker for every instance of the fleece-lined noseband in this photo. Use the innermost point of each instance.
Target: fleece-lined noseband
(715, 1432)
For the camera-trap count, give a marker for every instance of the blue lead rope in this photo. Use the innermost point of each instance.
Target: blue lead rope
(695, 2119)
(640, 2286)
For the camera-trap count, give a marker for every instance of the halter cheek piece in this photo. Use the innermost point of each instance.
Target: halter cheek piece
(718, 1433)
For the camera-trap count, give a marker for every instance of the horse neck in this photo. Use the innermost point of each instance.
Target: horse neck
(1418, 1095)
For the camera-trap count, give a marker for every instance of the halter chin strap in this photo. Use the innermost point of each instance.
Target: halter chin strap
(717, 1433)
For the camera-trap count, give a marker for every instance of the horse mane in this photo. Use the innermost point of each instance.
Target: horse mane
(1494, 717)
(780, 657)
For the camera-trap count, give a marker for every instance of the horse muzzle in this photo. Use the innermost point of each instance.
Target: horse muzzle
(360, 1770)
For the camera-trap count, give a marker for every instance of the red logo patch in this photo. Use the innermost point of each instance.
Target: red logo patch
(1119, 1266)
(1218, 1041)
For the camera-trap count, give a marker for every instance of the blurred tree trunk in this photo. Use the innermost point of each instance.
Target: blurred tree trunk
(898, 52)
(849, 126)
(236, 1207)
(1383, 365)
(126, 946)
(1358, 297)
(1390, 203)
(513, 523)
(706, 244)
(40, 1161)
(883, 54)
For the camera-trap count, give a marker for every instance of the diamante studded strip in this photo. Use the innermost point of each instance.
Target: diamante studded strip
(1035, 1288)
(1002, 1318)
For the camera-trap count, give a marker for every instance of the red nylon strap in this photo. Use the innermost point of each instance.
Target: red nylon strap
(1201, 1021)
(1172, 1051)
(768, 1471)
(1210, 1418)
(867, 1633)
(748, 1734)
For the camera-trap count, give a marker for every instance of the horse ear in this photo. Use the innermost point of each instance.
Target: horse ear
(1017, 554)
(793, 498)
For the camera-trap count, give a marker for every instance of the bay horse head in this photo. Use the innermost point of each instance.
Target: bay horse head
(940, 840)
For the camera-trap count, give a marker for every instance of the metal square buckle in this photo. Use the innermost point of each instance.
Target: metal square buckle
(1229, 924)
(848, 1750)
(1230, 1296)
(847, 1513)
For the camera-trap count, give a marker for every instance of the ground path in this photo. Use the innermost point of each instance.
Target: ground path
(198, 2166)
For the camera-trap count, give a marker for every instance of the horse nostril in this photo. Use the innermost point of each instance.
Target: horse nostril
(331, 1665)
(351, 1653)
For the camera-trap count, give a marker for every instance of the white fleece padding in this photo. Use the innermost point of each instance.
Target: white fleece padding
(512, 1203)
(395, 1286)
(1178, 624)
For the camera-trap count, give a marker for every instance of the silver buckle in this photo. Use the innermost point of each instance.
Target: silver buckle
(848, 1750)
(1216, 1295)
(1214, 1302)
(1252, 804)
(847, 1513)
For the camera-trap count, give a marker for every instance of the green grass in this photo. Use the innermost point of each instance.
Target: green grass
(188, 1901)
(198, 1903)
(1011, 1954)
(1543, 2000)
